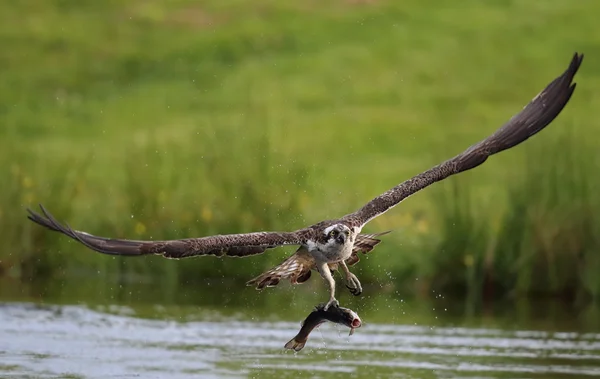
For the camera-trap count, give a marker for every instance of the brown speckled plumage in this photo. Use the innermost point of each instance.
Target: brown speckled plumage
(297, 268)
(231, 245)
(313, 251)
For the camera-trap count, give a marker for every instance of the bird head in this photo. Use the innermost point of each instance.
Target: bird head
(337, 234)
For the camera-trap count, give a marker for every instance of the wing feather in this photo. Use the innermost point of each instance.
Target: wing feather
(364, 243)
(233, 245)
(536, 115)
(297, 268)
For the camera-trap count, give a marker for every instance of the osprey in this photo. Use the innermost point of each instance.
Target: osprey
(332, 244)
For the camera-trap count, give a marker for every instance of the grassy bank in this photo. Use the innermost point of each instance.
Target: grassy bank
(543, 240)
(173, 119)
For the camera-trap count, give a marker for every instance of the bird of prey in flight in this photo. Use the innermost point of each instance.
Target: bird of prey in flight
(332, 244)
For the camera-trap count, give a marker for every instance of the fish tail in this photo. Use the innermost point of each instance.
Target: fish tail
(295, 344)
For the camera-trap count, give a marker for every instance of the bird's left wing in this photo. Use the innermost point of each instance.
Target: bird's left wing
(536, 115)
(233, 245)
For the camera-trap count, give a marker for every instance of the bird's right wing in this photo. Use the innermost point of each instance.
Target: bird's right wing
(233, 245)
(540, 111)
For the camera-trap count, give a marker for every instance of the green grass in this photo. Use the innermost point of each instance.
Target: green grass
(171, 119)
(545, 239)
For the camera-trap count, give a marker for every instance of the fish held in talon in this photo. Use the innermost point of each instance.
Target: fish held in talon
(335, 314)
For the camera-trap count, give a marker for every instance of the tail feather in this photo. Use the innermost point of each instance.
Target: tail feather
(364, 243)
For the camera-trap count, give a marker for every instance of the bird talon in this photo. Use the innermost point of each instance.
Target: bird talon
(331, 303)
(353, 284)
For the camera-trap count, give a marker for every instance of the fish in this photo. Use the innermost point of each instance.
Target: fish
(318, 316)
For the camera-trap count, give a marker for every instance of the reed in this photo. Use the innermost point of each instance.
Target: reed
(544, 242)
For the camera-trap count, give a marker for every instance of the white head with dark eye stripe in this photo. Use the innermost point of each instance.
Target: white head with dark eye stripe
(333, 243)
(337, 234)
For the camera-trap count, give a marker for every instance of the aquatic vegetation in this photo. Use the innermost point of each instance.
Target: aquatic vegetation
(544, 239)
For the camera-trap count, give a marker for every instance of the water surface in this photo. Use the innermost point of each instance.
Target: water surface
(43, 335)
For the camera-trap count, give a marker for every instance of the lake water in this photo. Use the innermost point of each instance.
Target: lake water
(87, 329)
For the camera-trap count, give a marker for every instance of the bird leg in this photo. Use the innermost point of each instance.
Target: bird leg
(326, 274)
(352, 282)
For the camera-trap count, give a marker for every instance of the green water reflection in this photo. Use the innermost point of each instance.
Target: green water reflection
(293, 303)
(91, 328)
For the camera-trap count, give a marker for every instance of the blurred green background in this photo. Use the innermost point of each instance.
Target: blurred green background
(172, 119)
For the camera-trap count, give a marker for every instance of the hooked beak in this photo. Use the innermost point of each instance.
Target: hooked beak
(341, 238)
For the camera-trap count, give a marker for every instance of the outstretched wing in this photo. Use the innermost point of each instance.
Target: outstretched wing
(233, 245)
(542, 109)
